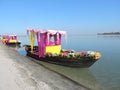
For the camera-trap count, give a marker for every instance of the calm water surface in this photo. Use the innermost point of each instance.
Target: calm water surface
(104, 74)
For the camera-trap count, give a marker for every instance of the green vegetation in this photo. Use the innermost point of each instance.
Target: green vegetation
(110, 33)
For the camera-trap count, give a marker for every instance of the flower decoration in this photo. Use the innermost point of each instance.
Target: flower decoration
(76, 55)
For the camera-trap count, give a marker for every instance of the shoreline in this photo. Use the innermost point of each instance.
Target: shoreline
(25, 74)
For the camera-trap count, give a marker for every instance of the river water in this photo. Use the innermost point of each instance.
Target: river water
(103, 74)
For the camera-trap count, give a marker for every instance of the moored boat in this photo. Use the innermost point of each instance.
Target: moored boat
(49, 49)
(10, 40)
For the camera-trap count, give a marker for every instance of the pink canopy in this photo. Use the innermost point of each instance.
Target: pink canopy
(47, 31)
(43, 37)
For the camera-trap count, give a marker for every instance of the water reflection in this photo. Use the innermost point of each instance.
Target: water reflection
(81, 76)
(109, 36)
(14, 46)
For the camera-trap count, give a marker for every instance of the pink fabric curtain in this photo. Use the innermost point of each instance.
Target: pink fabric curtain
(57, 38)
(41, 44)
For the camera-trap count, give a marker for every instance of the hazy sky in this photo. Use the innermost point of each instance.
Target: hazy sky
(73, 16)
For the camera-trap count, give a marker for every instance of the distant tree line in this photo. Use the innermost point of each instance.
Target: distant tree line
(110, 33)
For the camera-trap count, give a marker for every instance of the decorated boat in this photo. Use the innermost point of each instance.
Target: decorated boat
(49, 49)
(10, 40)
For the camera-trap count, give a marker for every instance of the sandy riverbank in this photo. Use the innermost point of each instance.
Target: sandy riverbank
(20, 73)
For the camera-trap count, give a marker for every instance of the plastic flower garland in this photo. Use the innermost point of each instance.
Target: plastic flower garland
(76, 55)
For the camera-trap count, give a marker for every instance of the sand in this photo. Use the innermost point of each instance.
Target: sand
(17, 72)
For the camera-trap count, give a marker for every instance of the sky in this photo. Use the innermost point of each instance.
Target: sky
(73, 16)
